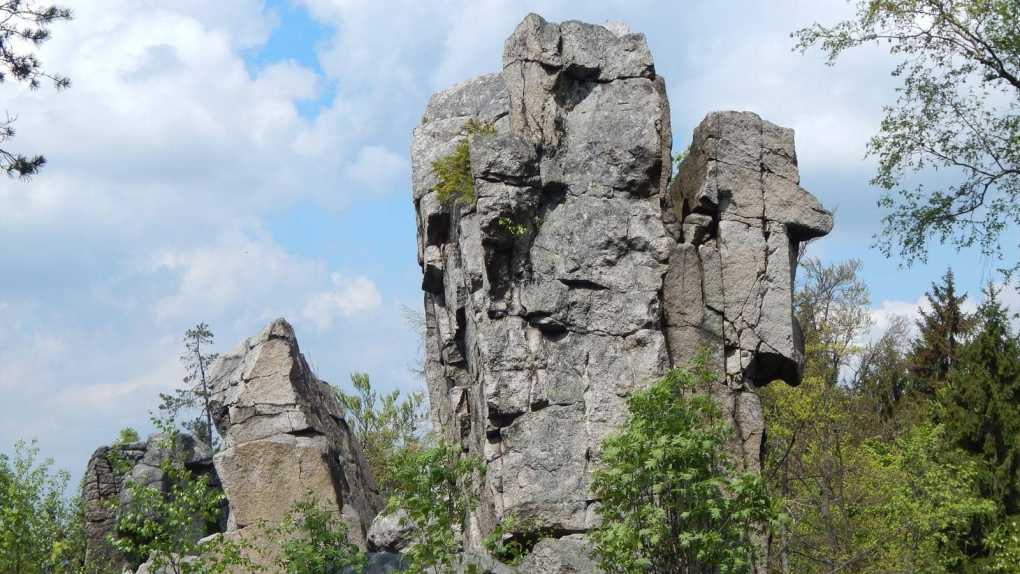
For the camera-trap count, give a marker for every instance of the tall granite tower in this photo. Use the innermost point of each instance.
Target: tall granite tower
(581, 269)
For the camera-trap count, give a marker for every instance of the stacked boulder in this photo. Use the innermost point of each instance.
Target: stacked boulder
(579, 270)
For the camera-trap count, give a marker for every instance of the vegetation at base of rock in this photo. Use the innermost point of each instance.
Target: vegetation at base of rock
(454, 170)
(436, 487)
(195, 394)
(956, 111)
(513, 539)
(24, 26)
(385, 425)
(165, 528)
(314, 540)
(671, 498)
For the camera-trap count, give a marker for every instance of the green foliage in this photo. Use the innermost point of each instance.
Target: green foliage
(385, 425)
(671, 499)
(24, 26)
(678, 159)
(454, 170)
(512, 227)
(165, 527)
(437, 488)
(920, 499)
(980, 408)
(34, 516)
(942, 329)
(1003, 546)
(832, 310)
(957, 111)
(195, 394)
(314, 540)
(127, 435)
(513, 539)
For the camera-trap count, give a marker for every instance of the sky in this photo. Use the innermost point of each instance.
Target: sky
(234, 161)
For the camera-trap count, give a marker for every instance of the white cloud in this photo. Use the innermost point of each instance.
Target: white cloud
(240, 273)
(376, 166)
(347, 298)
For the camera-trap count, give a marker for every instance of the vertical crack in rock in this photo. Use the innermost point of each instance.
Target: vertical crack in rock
(614, 274)
(284, 435)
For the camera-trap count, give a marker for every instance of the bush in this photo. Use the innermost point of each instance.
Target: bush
(314, 540)
(165, 527)
(385, 425)
(437, 488)
(671, 500)
(454, 170)
(34, 515)
(513, 539)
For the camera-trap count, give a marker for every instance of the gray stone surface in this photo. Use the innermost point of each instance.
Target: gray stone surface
(284, 435)
(582, 272)
(390, 532)
(103, 489)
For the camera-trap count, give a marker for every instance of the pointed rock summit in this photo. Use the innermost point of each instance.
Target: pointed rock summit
(284, 435)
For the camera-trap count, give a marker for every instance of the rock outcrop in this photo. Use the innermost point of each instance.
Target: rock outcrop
(284, 435)
(580, 272)
(103, 489)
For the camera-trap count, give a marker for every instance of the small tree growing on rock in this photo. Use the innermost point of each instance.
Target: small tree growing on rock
(671, 500)
(197, 360)
(385, 425)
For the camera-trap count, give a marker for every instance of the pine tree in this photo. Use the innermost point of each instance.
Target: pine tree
(195, 394)
(24, 25)
(941, 329)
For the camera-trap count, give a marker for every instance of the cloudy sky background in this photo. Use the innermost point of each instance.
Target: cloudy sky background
(238, 160)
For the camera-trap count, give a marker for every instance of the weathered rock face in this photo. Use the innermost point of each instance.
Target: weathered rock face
(730, 284)
(283, 435)
(103, 489)
(581, 273)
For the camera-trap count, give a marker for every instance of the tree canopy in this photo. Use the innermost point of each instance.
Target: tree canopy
(957, 111)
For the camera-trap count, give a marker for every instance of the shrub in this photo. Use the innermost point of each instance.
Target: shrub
(671, 500)
(437, 488)
(165, 527)
(314, 540)
(385, 425)
(513, 539)
(454, 170)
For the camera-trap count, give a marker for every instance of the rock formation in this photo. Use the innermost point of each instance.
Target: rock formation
(580, 272)
(103, 493)
(284, 435)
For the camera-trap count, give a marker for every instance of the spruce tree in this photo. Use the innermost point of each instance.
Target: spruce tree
(941, 330)
(981, 404)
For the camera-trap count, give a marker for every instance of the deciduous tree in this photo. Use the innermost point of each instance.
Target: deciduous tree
(957, 111)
